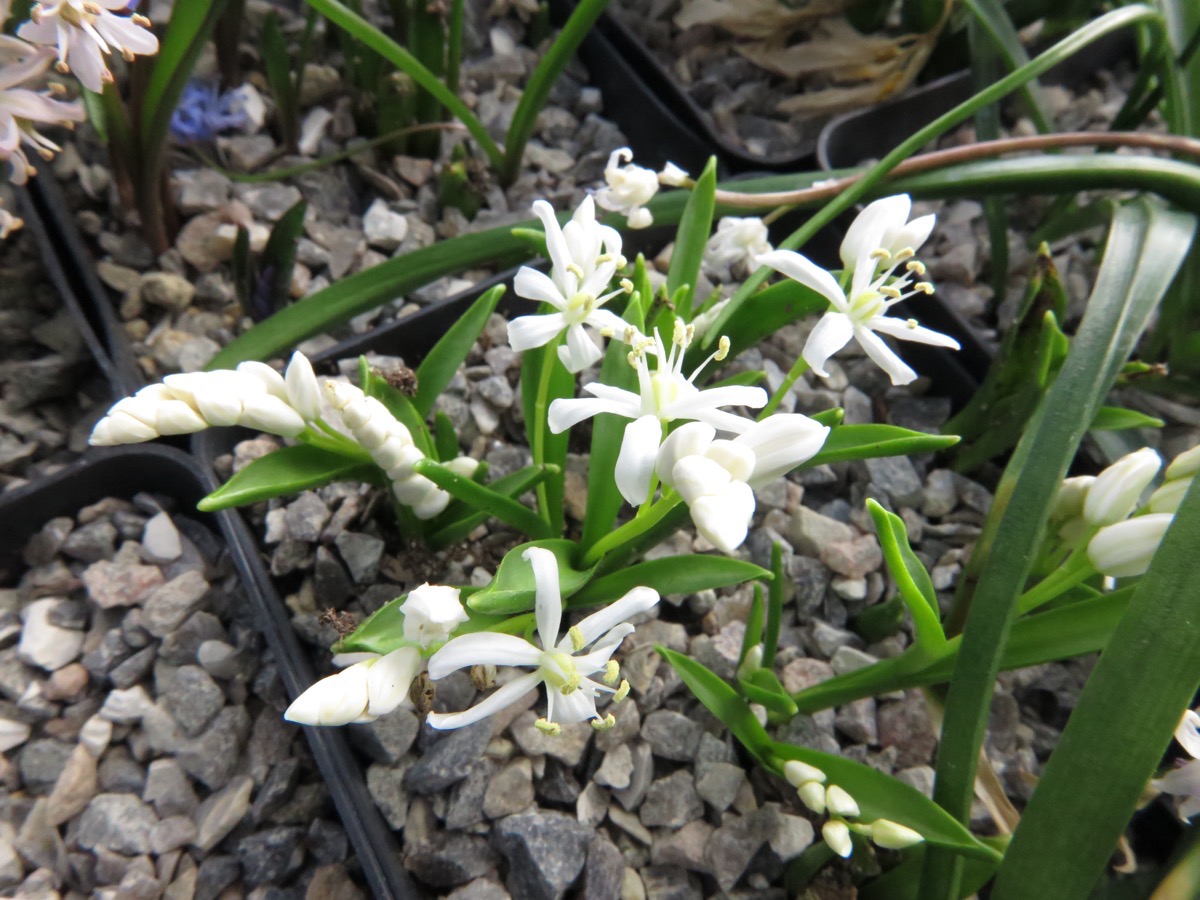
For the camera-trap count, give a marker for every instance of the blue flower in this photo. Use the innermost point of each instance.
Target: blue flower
(204, 112)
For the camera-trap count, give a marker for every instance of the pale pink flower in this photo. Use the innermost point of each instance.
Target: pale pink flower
(21, 109)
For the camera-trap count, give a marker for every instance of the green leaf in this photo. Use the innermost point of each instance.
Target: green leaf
(448, 528)
(671, 576)
(869, 441)
(774, 607)
(774, 699)
(483, 498)
(691, 239)
(543, 380)
(723, 702)
(288, 471)
(279, 255)
(445, 437)
(1117, 418)
(512, 589)
(912, 581)
(771, 309)
(381, 632)
(993, 19)
(277, 64)
(448, 354)
(243, 269)
(754, 625)
(375, 385)
(1143, 681)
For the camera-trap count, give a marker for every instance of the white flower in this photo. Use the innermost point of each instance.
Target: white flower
(664, 396)
(84, 31)
(22, 109)
(1126, 548)
(252, 396)
(1116, 491)
(584, 256)
(1184, 781)
(736, 244)
(391, 447)
(362, 693)
(673, 176)
(431, 613)
(629, 189)
(892, 835)
(837, 835)
(565, 666)
(872, 252)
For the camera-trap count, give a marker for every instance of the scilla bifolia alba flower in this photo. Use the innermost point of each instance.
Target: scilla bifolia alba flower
(880, 267)
(1124, 549)
(629, 188)
(21, 109)
(1184, 781)
(565, 665)
(673, 176)
(431, 613)
(736, 244)
(253, 396)
(664, 395)
(392, 449)
(585, 257)
(85, 31)
(1116, 491)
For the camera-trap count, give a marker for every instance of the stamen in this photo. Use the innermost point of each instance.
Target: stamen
(679, 336)
(627, 285)
(605, 724)
(547, 727)
(139, 19)
(722, 348)
(906, 253)
(915, 265)
(574, 269)
(572, 684)
(622, 262)
(612, 672)
(880, 253)
(924, 287)
(622, 691)
(576, 637)
(890, 292)
(911, 324)
(607, 333)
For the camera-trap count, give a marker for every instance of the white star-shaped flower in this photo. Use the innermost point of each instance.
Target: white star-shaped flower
(565, 665)
(584, 257)
(628, 189)
(85, 31)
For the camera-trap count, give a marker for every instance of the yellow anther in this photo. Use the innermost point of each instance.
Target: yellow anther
(689, 334)
(139, 19)
(622, 262)
(547, 727)
(622, 691)
(574, 269)
(924, 287)
(627, 285)
(679, 335)
(605, 724)
(880, 253)
(722, 349)
(910, 324)
(576, 637)
(633, 356)
(571, 685)
(607, 333)
(906, 253)
(890, 292)
(915, 265)
(612, 672)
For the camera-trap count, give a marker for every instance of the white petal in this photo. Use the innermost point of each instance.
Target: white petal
(801, 269)
(866, 233)
(736, 459)
(270, 414)
(606, 318)
(124, 33)
(502, 698)
(884, 356)
(564, 413)
(1184, 465)
(724, 518)
(580, 351)
(432, 504)
(263, 376)
(638, 600)
(635, 461)
(302, 390)
(177, 417)
(431, 612)
(389, 678)
(912, 235)
(1168, 497)
(699, 476)
(336, 700)
(482, 649)
(569, 709)
(1116, 491)
(639, 217)
(548, 601)
(711, 398)
(902, 330)
(690, 439)
(831, 333)
(1188, 733)
(837, 836)
(1126, 548)
(534, 285)
(528, 332)
(556, 244)
(780, 443)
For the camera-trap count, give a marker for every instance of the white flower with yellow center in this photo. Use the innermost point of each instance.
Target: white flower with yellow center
(664, 395)
(85, 31)
(628, 189)
(566, 666)
(736, 244)
(585, 257)
(878, 255)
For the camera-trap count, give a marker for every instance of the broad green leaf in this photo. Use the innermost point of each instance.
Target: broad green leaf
(483, 498)
(1117, 418)
(691, 238)
(912, 581)
(452, 348)
(671, 576)
(288, 471)
(512, 589)
(869, 441)
(1144, 680)
(904, 881)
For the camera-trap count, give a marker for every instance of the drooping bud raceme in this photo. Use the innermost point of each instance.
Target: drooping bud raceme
(361, 693)
(85, 31)
(585, 257)
(392, 449)
(664, 395)
(734, 246)
(1124, 549)
(1116, 491)
(881, 270)
(565, 665)
(22, 109)
(252, 396)
(431, 613)
(629, 189)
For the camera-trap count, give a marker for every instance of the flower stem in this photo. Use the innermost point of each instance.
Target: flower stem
(631, 530)
(537, 437)
(799, 367)
(1074, 571)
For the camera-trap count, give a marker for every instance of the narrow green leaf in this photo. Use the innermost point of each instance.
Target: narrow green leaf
(993, 19)
(723, 702)
(287, 471)
(869, 441)
(1141, 685)
(447, 529)
(483, 498)
(445, 437)
(912, 581)
(691, 238)
(543, 380)
(447, 355)
(774, 607)
(279, 255)
(277, 64)
(671, 576)
(243, 269)
(1117, 418)
(512, 589)
(774, 700)
(754, 625)
(401, 407)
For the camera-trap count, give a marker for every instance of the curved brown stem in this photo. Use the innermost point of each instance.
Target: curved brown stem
(937, 159)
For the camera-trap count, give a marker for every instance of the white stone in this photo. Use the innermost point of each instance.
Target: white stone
(384, 228)
(160, 539)
(312, 129)
(126, 707)
(12, 734)
(96, 734)
(43, 643)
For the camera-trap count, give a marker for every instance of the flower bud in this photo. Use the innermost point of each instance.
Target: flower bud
(1187, 732)
(302, 391)
(1168, 496)
(752, 662)
(690, 439)
(840, 803)
(736, 459)
(361, 693)
(1116, 491)
(177, 417)
(893, 836)
(672, 176)
(837, 836)
(465, 466)
(798, 773)
(431, 613)
(262, 375)
(1126, 548)
(780, 443)
(812, 795)
(268, 413)
(1185, 465)
(1068, 502)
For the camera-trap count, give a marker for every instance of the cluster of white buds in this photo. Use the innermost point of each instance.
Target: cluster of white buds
(392, 449)
(253, 396)
(628, 189)
(836, 802)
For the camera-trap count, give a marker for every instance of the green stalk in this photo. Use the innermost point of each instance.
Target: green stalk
(631, 530)
(799, 367)
(540, 413)
(454, 39)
